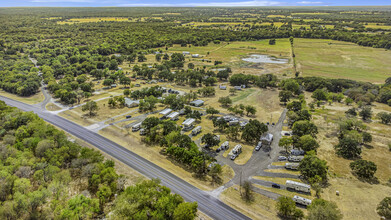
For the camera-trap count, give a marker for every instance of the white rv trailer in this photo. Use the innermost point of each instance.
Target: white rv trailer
(136, 127)
(301, 187)
(173, 116)
(188, 124)
(196, 130)
(302, 201)
(295, 158)
(292, 166)
(225, 145)
(165, 112)
(236, 150)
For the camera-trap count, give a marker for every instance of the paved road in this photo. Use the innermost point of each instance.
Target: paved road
(206, 202)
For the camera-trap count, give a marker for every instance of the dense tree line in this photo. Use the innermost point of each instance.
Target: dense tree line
(46, 176)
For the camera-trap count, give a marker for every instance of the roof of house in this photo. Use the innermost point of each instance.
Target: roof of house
(197, 102)
(173, 115)
(188, 121)
(128, 101)
(165, 111)
(267, 137)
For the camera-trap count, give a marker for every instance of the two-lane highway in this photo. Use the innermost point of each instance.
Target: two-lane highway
(206, 203)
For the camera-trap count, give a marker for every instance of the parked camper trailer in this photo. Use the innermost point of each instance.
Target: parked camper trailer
(302, 201)
(233, 122)
(301, 187)
(196, 130)
(142, 132)
(136, 127)
(295, 158)
(236, 150)
(225, 145)
(292, 166)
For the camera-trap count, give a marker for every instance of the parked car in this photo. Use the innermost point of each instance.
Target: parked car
(281, 158)
(273, 124)
(275, 185)
(218, 150)
(128, 116)
(233, 157)
(257, 148)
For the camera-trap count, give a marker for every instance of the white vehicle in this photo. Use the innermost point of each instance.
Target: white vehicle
(196, 130)
(302, 201)
(295, 158)
(236, 151)
(142, 131)
(301, 187)
(292, 166)
(225, 145)
(136, 127)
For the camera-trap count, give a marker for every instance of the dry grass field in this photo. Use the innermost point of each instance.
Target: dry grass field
(34, 99)
(336, 59)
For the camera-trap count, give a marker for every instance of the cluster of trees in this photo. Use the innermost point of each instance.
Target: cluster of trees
(46, 176)
(241, 109)
(251, 132)
(318, 210)
(262, 81)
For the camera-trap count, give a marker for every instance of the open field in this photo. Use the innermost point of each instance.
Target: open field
(357, 200)
(336, 59)
(232, 53)
(376, 25)
(261, 208)
(34, 99)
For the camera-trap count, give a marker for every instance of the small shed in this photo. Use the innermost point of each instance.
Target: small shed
(195, 55)
(131, 103)
(197, 103)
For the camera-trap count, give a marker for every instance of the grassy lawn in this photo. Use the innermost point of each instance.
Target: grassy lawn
(261, 208)
(34, 99)
(52, 107)
(283, 171)
(357, 200)
(336, 59)
(286, 192)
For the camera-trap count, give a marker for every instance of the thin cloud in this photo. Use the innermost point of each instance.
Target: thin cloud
(226, 4)
(309, 3)
(63, 1)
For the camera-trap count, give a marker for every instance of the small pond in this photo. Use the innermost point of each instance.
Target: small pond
(260, 58)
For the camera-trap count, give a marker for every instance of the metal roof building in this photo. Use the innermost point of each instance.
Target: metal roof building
(173, 115)
(165, 111)
(197, 103)
(188, 122)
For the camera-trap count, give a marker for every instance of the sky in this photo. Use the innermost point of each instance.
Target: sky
(187, 3)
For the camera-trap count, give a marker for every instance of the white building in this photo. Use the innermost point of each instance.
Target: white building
(196, 130)
(131, 103)
(188, 124)
(173, 116)
(165, 112)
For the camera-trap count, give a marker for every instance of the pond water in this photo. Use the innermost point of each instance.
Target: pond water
(260, 58)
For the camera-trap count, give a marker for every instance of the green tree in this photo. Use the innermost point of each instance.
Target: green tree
(321, 209)
(304, 127)
(253, 131)
(319, 95)
(286, 143)
(285, 96)
(91, 107)
(185, 211)
(348, 148)
(225, 101)
(250, 110)
(215, 173)
(233, 132)
(366, 113)
(307, 143)
(80, 207)
(286, 209)
(247, 194)
(384, 208)
(364, 169)
(212, 111)
(210, 140)
(312, 166)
